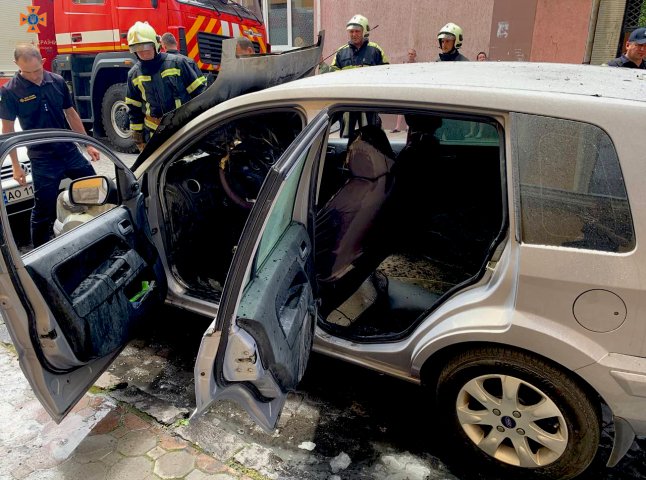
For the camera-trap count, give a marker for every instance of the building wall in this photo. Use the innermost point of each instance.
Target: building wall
(561, 31)
(403, 24)
(510, 30)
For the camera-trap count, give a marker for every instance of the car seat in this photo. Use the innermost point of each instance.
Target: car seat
(345, 223)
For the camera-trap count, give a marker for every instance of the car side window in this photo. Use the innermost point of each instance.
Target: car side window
(281, 214)
(572, 191)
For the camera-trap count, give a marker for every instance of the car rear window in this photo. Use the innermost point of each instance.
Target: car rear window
(572, 191)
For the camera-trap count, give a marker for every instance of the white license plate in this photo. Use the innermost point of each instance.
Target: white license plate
(18, 194)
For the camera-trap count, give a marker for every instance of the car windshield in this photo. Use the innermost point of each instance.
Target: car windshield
(243, 8)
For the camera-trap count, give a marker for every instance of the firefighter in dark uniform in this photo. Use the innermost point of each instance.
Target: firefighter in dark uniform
(157, 84)
(450, 39)
(635, 51)
(41, 99)
(358, 52)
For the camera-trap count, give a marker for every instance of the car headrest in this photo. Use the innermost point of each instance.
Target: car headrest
(365, 161)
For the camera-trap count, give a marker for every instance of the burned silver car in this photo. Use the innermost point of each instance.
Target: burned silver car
(500, 270)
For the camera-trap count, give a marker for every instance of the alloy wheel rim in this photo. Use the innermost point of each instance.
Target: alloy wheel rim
(512, 420)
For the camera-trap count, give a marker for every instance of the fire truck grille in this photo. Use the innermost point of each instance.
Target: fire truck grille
(210, 47)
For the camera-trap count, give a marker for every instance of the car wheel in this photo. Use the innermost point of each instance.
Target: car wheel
(114, 116)
(518, 414)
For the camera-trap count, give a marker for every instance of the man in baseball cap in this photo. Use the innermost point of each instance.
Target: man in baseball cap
(635, 51)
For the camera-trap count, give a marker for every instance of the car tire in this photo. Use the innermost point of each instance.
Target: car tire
(114, 116)
(517, 414)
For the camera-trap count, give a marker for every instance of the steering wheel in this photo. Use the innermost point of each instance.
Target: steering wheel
(244, 168)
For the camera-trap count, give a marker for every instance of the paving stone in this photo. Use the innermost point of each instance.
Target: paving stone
(21, 472)
(133, 422)
(174, 464)
(209, 464)
(197, 475)
(84, 471)
(156, 452)
(107, 424)
(46, 475)
(119, 432)
(131, 468)
(136, 443)
(215, 440)
(95, 448)
(111, 458)
(171, 442)
(257, 457)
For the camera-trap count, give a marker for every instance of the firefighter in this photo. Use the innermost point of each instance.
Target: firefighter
(157, 84)
(41, 99)
(359, 51)
(450, 39)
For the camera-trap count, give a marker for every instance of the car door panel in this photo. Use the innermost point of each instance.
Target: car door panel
(73, 303)
(87, 278)
(257, 349)
(282, 293)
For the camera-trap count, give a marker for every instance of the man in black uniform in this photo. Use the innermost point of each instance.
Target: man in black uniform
(169, 43)
(359, 51)
(41, 99)
(450, 39)
(635, 51)
(157, 84)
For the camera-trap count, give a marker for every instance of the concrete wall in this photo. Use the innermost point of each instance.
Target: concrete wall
(560, 31)
(409, 23)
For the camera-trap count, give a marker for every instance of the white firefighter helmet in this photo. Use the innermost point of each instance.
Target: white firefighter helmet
(140, 35)
(359, 21)
(451, 30)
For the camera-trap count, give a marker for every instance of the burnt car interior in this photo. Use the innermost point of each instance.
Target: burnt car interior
(401, 223)
(213, 186)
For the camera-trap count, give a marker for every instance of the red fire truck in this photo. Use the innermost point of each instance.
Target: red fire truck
(86, 41)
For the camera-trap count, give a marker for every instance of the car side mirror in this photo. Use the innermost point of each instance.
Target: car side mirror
(90, 191)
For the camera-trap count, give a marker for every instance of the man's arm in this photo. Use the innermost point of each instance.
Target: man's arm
(17, 170)
(194, 82)
(77, 125)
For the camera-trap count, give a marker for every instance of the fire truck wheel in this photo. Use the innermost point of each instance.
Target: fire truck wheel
(114, 115)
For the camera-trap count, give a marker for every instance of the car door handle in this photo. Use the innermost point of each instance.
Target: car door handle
(125, 227)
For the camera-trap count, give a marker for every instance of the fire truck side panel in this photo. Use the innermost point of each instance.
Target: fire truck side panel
(127, 12)
(85, 27)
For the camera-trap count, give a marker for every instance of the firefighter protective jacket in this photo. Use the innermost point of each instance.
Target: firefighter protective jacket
(159, 86)
(349, 56)
(452, 56)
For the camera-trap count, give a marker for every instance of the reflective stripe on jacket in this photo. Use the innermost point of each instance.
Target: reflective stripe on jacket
(160, 86)
(349, 56)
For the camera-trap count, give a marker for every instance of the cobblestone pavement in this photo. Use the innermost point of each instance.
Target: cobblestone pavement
(98, 440)
(343, 423)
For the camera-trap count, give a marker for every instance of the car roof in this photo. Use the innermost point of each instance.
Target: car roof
(609, 82)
